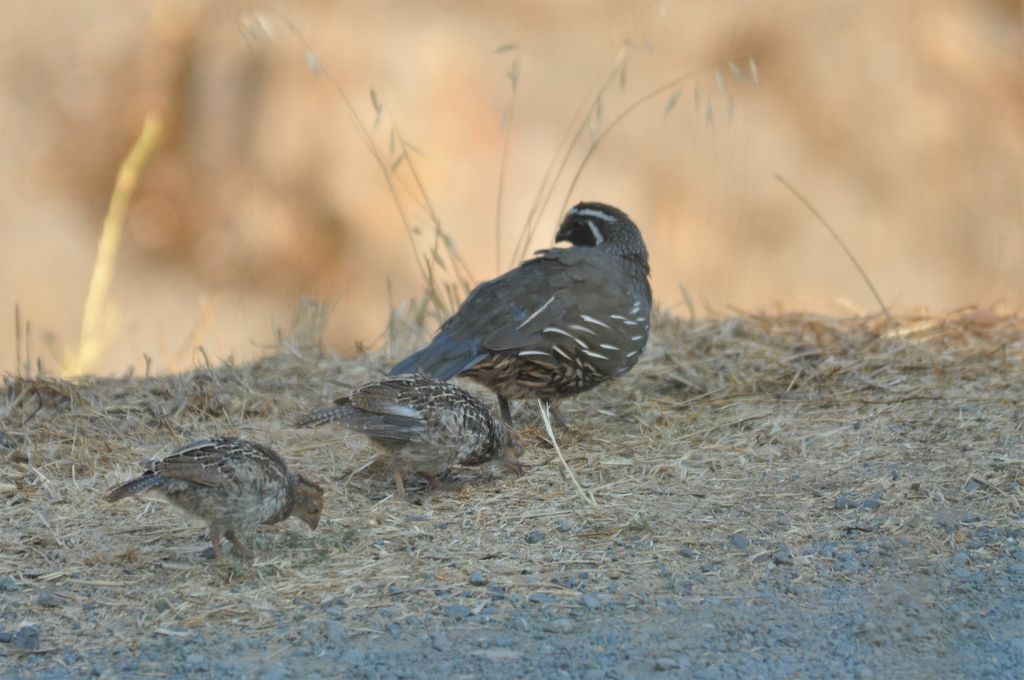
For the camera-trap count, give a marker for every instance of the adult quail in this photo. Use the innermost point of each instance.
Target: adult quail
(230, 483)
(425, 426)
(556, 325)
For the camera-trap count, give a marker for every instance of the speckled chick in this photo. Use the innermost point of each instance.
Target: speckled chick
(424, 425)
(232, 485)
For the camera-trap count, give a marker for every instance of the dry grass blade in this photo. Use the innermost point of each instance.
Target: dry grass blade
(835, 235)
(94, 315)
(545, 414)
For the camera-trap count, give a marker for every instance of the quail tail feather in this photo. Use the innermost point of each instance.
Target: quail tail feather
(444, 358)
(322, 416)
(134, 487)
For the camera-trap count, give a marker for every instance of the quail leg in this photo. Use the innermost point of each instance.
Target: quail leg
(506, 412)
(215, 539)
(399, 485)
(240, 547)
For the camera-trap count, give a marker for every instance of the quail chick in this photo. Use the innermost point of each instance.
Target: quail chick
(232, 484)
(558, 324)
(424, 425)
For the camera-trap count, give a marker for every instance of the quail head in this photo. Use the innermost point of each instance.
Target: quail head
(556, 325)
(232, 484)
(424, 425)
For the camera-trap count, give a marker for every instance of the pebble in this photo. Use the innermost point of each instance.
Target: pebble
(456, 611)
(440, 641)
(6, 636)
(478, 579)
(783, 555)
(973, 485)
(665, 663)
(8, 584)
(26, 638)
(541, 598)
(590, 602)
(739, 541)
(336, 632)
(48, 599)
(688, 552)
(961, 558)
(560, 626)
(845, 502)
(535, 536)
(195, 660)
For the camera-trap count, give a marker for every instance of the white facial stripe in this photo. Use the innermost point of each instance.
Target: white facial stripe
(598, 239)
(593, 212)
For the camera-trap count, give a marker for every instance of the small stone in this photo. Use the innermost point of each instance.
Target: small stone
(973, 485)
(478, 579)
(535, 536)
(27, 638)
(946, 520)
(560, 626)
(195, 659)
(961, 558)
(48, 599)
(336, 632)
(8, 584)
(872, 503)
(541, 598)
(440, 641)
(739, 541)
(845, 502)
(394, 630)
(6, 636)
(783, 555)
(590, 602)
(665, 663)
(456, 611)
(688, 552)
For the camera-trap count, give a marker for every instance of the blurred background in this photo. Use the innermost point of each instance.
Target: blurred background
(903, 123)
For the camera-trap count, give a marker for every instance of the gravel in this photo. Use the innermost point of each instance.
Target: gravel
(961, 620)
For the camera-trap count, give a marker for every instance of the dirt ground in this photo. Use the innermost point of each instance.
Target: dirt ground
(793, 496)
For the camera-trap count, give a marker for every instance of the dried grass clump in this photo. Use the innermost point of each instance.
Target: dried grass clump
(748, 425)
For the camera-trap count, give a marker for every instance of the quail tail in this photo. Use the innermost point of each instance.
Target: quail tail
(133, 487)
(444, 358)
(322, 416)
